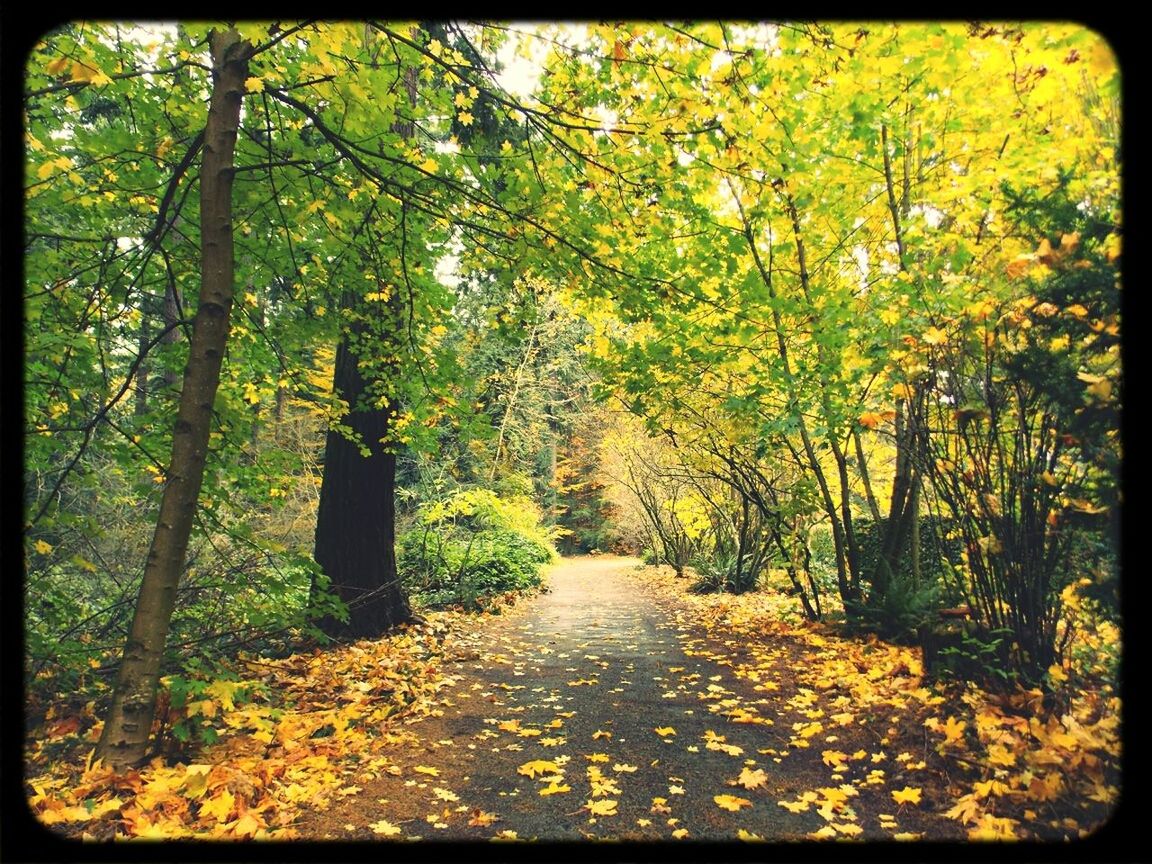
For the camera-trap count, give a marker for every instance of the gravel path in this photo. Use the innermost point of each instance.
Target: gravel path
(596, 683)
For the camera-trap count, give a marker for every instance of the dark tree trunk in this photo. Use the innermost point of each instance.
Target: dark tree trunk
(128, 726)
(355, 527)
(356, 522)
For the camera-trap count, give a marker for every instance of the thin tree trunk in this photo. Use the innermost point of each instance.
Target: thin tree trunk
(124, 741)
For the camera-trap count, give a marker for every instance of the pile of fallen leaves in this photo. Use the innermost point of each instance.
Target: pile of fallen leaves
(1004, 765)
(317, 724)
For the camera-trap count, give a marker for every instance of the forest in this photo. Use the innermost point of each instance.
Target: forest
(356, 353)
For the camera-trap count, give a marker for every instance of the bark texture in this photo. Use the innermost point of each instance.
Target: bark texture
(128, 726)
(356, 523)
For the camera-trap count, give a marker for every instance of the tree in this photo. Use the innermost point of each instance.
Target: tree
(128, 726)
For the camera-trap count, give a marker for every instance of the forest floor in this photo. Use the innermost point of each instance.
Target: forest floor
(614, 705)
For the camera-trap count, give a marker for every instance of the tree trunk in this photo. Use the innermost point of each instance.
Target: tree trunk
(124, 741)
(356, 523)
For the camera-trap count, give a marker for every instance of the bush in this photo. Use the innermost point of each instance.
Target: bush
(474, 545)
(727, 573)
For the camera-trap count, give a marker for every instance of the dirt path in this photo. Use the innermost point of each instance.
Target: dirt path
(626, 711)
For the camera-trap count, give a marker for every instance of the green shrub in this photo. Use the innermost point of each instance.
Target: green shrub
(725, 572)
(473, 545)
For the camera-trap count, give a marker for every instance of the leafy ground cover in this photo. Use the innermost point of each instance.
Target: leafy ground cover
(616, 706)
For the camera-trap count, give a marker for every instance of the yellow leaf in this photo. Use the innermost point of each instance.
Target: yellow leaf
(600, 733)
(555, 789)
(385, 828)
(935, 336)
(429, 165)
(953, 730)
(907, 795)
(750, 779)
(538, 766)
(665, 730)
(46, 170)
(603, 807)
(869, 419)
(83, 73)
(901, 391)
(254, 85)
(219, 805)
(731, 802)
(748, 836)
(465, 118)
(619, 766)
(42, 547)
(57, 66)
(424, 769)
(680, 833)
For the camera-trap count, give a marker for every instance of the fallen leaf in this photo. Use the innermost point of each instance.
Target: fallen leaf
(731, 802)
(665, 730)
(907, 795)
(603, 807)
(538, 766)
(385, 828)
(482, 819)
(750, 779)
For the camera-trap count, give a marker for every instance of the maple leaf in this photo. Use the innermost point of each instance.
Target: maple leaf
(445, 794)
(254, 85)
(675, 790)
(731, 802)
(619, 766)
(660, 805)
(555, 789)
(597, 757)
(482, 819)
(424, 769)
(966, 809)
(604, 807)
(907, 795)
(834, 758)
(219, 805)
(750, 779)
(794, 806)
(680, 833)
(600, 733)
(538, 766)
(665, 730)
